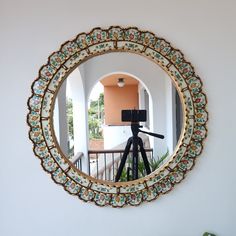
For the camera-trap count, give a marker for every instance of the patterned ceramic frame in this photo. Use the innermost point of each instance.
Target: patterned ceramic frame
(61, 63)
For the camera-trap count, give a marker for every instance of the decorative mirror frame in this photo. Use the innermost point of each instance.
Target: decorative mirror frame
(70, 55)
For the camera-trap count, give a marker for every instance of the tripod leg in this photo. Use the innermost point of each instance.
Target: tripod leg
(128, 173)
(144, 156)
(123, 160)
(135, 158)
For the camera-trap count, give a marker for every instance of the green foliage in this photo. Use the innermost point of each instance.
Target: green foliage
(154, 164)
(123, 177)
(69, 113)
(96, 118)
(208, 234)
(95, 131)
(70, 151)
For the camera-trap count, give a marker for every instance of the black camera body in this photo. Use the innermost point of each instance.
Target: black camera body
(134, 115)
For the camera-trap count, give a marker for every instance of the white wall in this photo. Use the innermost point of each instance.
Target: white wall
(115, 135)
(31, 204)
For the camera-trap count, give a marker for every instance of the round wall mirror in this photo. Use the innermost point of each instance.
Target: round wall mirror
(117, 116)
(88, 115)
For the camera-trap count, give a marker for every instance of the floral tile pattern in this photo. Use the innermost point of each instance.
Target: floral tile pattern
(36, 135)
(78, 178)
(40, 86)
(118, 200)
(103, 188)
(134, 199)
(47, 72)
(131, 34)
(72, 187)
(102, 199)
(35, 102)
(59, 176)
(150, 194)
(58, 158)
(98, 35)
(49, 164)
(201, 116)
(75, 52)
(101, 47)
(148, 39)
(47, 133)
(178, 77)
(162, 46)
(132, 188)
(76, 58)
(81, 41)
(69, 48)
(41, 150)
(115, 33)
(57, 79)
(176, 57)
(129, 46)
(46, 104)
(57, 59)
(33, 118)
(195, 84)
(157, 57)
(86, 194)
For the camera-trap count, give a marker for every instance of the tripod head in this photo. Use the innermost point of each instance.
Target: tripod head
(135, 127)
(136, 116)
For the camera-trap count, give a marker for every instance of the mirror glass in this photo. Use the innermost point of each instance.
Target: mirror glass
(88, 123)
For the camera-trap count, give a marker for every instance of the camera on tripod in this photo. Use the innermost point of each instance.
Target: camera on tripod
(135, 116)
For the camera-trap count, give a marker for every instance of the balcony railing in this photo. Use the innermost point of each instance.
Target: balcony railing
(77, 160)
(104, 163)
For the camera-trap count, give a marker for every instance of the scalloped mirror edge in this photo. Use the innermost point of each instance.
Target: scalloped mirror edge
(73, 53)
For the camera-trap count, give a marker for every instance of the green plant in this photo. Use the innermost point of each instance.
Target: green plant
(69, 113)
(208, 234)
(156, 163)
(96, 118)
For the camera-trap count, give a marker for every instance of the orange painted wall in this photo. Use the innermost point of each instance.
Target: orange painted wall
(117, 99)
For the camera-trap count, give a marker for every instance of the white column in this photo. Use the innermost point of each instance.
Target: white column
(79, 116)
(63, 129)
(174, 121)
(170, 117)
(158, 107)
(56, 125)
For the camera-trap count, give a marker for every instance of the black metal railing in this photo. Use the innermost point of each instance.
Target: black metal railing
(103, 164)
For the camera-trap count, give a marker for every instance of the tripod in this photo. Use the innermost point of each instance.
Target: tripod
(137, 142)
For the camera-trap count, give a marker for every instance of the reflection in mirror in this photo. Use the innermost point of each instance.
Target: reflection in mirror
(87, 115)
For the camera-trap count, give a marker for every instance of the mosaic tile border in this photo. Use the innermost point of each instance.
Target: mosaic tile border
(74, 52)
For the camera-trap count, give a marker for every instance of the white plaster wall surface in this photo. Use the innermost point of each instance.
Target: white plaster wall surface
(31, 204)
(115, 135)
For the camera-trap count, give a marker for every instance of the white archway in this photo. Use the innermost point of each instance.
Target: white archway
(156, 80)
